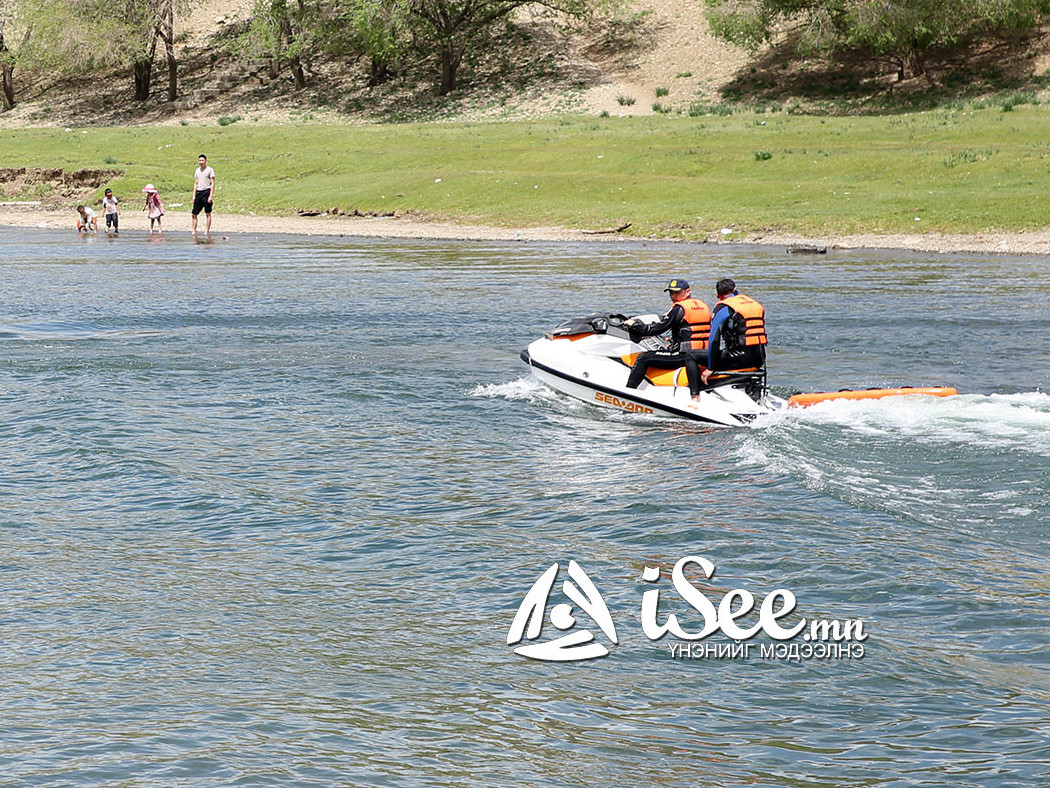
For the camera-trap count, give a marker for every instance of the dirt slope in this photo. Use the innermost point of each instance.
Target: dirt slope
(681, 56)
(676, 41)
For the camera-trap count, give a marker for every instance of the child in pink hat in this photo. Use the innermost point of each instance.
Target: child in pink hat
(154, 206)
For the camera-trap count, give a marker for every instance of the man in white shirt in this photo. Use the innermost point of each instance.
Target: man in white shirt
(203, 191)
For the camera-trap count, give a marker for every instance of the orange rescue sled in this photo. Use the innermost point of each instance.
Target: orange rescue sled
(805, 400)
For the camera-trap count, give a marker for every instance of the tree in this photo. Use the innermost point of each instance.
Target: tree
(342, 28)
(903, 30)
(133, 29)
(166, 32)
(7, 66)
(283, 30)
(121, 34)
(71, 35)
(34, 35)
(376, 29)
(452, 27)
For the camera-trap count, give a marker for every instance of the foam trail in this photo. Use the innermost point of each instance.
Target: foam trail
(526, 388)
(61, 330)
(935, 460)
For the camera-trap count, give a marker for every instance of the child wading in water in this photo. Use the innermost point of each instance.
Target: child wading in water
(154, 206)
(111, 208)
(87, 220)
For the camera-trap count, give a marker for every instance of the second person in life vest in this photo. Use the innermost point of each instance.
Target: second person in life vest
(738, 332)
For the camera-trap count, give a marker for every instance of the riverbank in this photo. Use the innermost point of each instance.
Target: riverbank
(738, 178)
(1022, 243)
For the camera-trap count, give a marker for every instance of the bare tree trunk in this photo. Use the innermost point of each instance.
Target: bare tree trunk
(912, 64)
(295, 62)
(449, 66)
(7, 72)
(173, 73)
(379, 72)
(166, 31)
(143, 73)
(7, 84)
(298, 74)
(142, 69)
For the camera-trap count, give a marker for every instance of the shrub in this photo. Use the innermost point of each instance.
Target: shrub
(229, 120)
(968, 156)
(700, 108)
(624, 101)
(662, 92)
(1020, 97)
(763, 155)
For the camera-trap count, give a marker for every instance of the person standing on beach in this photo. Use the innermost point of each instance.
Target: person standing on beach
(111, 208)
(203, 192)
(154, 206)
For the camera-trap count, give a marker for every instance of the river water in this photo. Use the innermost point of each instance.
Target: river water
(270, 505)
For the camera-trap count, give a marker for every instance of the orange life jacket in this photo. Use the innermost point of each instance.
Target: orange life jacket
(696, 331)
(754, 315)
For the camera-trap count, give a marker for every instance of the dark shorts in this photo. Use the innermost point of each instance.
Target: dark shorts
(112, 220)
(200, 201)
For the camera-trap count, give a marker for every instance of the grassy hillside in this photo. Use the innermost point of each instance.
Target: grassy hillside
(961, 170)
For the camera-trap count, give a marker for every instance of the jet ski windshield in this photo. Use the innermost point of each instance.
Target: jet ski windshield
(594, 323)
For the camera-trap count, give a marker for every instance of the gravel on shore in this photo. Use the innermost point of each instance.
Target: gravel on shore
(34, 216)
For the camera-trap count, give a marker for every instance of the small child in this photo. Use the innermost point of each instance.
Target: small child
(154, 206)
(111, 208)
(87, 221)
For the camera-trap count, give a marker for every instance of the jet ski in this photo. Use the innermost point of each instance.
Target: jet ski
(590, 358)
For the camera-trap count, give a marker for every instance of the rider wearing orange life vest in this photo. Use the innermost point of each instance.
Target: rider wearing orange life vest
(689, 321)
(738, 331)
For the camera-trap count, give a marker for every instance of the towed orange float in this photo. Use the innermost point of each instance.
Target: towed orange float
(805, 400)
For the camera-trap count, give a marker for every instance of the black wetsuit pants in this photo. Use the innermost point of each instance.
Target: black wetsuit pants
(665, 359)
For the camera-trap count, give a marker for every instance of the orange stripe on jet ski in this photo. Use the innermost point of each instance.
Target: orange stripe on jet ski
(805, 400)
(667, 377)
(572, 337)
(657, 376)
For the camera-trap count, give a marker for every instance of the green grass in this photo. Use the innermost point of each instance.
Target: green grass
(962, 171)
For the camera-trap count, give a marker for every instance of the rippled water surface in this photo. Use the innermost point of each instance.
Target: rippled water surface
(269, 507)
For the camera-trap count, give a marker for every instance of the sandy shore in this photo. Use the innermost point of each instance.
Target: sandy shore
(1037, 243)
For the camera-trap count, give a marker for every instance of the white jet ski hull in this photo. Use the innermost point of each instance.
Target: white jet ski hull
(590, 369)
